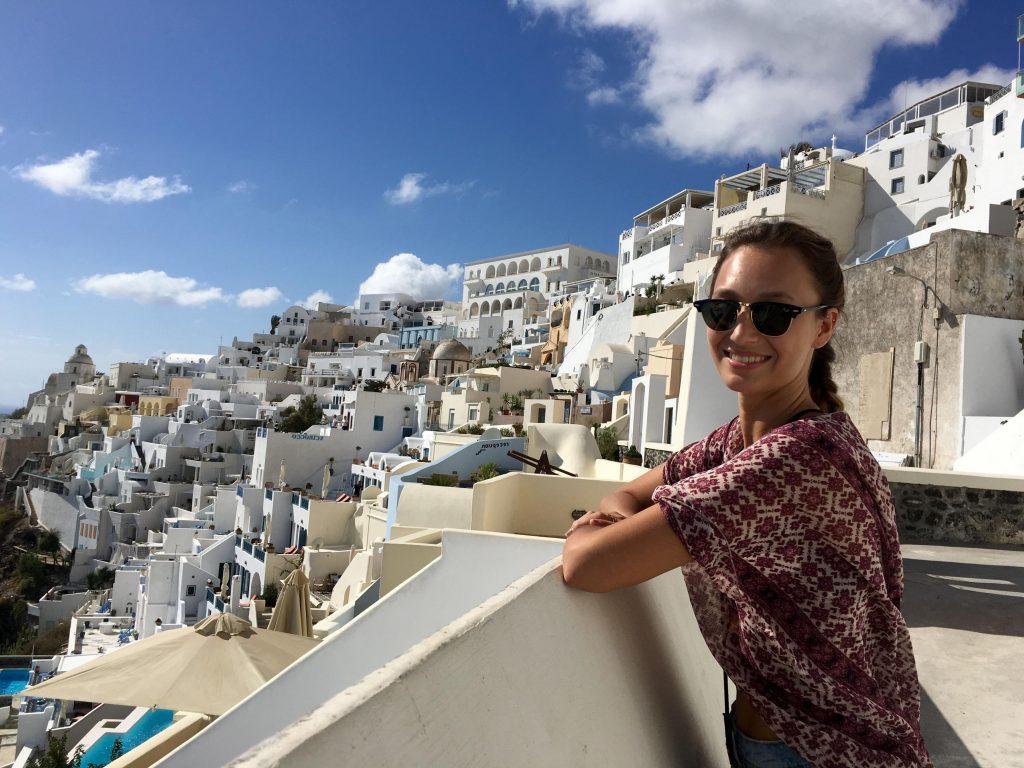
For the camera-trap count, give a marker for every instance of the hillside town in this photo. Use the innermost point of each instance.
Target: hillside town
(385, 485)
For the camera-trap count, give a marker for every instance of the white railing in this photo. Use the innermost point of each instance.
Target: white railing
(767, 191)
(818, 193)
(736, 208)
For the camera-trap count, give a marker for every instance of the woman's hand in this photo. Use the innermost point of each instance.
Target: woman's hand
(596, 518)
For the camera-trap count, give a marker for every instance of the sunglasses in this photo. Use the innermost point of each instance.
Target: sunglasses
(772, 318)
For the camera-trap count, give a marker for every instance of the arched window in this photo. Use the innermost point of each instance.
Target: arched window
(495, 307)
(501, 271)
(535, 284)
(490, 271)
(524, 266)
(522, 285)
(474, 309)
(535, 264)
(518, 303)
(507, 304)
(488, 289)
(499, 288)
(511, 286)
(512, 268)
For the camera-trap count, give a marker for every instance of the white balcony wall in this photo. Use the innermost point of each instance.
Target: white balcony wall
(596, 680)
(472, 568)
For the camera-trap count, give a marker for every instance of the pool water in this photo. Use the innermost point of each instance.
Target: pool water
(13, 681)
(149, 725)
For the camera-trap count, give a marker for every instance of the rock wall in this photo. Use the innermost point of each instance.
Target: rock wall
(940, 514)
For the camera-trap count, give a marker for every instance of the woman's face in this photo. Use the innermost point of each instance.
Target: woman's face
(749, 362)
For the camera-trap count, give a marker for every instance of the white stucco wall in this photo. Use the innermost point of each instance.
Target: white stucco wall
(472, 568)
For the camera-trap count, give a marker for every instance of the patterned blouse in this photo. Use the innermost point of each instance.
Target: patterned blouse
(796, 582)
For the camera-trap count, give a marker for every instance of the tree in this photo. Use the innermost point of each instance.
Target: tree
(101, 578)
(31, 574)
(49, 544)
(116, 749)
(607, 442)
(373, 385)
(55, 755)
(305, 416)
(275, 320)
(18, 413)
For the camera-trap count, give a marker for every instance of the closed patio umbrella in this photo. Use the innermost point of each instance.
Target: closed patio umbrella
(292, 613)
(207, 668)
(958, 185)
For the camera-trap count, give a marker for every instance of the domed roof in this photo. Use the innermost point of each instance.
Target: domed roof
(81, 356)
(452, 350)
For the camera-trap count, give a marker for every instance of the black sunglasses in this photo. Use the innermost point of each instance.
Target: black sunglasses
(772, 318)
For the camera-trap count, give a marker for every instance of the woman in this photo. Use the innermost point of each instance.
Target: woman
(783, 524)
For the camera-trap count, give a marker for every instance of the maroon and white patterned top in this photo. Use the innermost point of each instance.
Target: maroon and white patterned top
(796, 582)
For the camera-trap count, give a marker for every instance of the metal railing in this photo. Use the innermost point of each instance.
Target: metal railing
(767, 191)
(735, 208)
(818, 193)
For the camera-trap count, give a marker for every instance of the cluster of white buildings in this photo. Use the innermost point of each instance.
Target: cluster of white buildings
(196, 480)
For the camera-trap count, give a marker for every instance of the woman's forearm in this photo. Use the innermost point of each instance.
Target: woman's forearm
(622, 502)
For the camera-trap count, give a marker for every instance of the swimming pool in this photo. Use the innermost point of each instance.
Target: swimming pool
(13, 681)
(149, 725)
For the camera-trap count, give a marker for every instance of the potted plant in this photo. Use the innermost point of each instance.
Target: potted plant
(632, 456)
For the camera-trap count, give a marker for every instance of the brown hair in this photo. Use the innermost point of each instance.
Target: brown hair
(819, 256)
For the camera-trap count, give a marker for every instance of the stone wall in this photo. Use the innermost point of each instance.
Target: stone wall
(655, 456)
(943, 514)
(972, 273)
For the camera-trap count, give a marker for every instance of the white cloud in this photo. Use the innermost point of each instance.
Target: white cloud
(315, 298)
(150, 287)
(1, 130)
(411, 189)
(254, 298)
(72, 177)
(241, 187)
(749, 76)
(407, 273)
(17, 283)
(603, 95)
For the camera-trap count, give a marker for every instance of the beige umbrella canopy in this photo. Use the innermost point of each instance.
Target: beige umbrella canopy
(207, 668)
(292, 613)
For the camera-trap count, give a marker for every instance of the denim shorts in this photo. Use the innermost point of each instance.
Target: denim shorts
(755, 753)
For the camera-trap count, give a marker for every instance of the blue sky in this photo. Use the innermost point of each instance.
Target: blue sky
(290, 147)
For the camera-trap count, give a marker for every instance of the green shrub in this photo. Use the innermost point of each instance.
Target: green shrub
(607, 442)
(485, 472)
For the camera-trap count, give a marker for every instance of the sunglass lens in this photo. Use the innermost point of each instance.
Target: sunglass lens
(720, 315)
(770, 318)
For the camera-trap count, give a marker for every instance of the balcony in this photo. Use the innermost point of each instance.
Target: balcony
(665, 221)
(1018, 82)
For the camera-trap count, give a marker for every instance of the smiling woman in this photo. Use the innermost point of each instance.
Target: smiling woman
(783, 525)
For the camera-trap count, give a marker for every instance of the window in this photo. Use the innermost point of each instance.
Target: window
(373, 372)
(625, 257)
(366, 305)
(896, 158)
(190, 590)
(474, 412)
(579, 313)
(378, 423)
(718, 231)
(897, 186)
(999, 122)
(510, 324)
